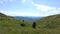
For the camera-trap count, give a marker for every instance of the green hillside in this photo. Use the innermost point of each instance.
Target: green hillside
(49, 21)
(46, 25)
(10, 25)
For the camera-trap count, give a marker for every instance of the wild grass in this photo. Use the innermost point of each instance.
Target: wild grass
(47, 25)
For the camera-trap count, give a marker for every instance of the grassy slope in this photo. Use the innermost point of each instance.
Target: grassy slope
(9, 25)
(50, 21)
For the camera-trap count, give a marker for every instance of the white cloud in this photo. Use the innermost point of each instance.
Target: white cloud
(23, 1)
(46, 10)
(58, 8)
(20, 13)
(15, 13)
(32, 2)
(43, 7)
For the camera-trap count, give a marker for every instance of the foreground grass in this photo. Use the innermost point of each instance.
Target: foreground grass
(12, 30)
(11, 27)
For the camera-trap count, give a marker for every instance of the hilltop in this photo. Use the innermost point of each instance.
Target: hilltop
(2, 15)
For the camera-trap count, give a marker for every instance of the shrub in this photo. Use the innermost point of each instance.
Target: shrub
(34, 25)
(22, 24)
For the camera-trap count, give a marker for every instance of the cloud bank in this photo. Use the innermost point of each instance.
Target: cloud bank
(46, 10)
(14, 13)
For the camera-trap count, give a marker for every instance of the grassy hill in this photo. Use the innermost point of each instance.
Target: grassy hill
(49, 21)
(46, 25)
(10, 25)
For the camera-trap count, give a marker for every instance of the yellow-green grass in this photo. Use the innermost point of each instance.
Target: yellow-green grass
(10, 25)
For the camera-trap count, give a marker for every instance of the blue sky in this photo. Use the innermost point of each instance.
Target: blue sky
(30, 7)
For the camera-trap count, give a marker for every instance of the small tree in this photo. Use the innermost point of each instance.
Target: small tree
(22, 24)
(23, 20)
(34, 25)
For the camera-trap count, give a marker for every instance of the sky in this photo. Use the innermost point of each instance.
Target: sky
(30, 7)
